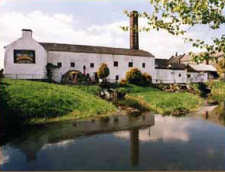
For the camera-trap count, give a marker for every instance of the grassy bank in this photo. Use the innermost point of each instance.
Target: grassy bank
(40, 102)
(164, 102)
(217, 90)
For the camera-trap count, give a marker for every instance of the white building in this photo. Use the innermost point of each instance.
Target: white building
(27, 59)
(170, 72)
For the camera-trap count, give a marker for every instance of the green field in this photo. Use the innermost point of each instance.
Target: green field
(164, 102)
(44, 102)
(218, 90)
(41, 102)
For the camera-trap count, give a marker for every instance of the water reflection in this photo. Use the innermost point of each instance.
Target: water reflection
(167, 143)
(134, 147)
(214, 113)
(167, 129)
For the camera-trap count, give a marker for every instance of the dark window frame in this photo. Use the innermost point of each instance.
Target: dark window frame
(72, 64)
(116, 64)
(92, 65)
(117, 77)
(59, 64)
(143, 65)
(130, 64)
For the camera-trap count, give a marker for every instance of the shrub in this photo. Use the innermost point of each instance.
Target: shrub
(123, 82)
(1, 73)
(103, 71)
(82, 79)
(134, 76)
(147, 78)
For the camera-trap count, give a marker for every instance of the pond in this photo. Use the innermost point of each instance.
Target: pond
(147, 142)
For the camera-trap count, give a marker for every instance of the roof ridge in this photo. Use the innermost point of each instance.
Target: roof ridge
(94, 49)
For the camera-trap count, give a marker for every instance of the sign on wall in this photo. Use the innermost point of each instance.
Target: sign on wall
(24, 56)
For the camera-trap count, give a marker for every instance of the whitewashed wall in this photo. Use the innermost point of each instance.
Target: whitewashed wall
(81, 59)
(195, 77)
(25, 71)
(170, 76)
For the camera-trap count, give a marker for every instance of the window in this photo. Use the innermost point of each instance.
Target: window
(59, 64)
(92, 65)
(115, 63)
(179, 75)
(188, 75)
(117, 77)
(130, 64)
(72, 64)
(143, 65)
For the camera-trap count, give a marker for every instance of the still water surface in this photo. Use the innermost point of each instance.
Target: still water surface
(166, 143)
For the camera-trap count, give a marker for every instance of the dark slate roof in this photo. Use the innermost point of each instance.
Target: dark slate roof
(161, 63)
(178, 66)
(165, 64)
(94, 49)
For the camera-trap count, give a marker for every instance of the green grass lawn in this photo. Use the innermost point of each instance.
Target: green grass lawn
(165, 102)
(41, 102)
(218, 90)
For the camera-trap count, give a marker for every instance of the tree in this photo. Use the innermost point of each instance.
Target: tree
(103, 71)
(134, 76)
(49, 68)
(177, 16)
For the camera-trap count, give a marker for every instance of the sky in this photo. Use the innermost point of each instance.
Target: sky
(88, 22)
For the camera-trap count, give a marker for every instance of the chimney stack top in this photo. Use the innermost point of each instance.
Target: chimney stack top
(134, 34)
(27, 33)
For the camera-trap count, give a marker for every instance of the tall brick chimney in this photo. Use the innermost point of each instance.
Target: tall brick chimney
(134, 37)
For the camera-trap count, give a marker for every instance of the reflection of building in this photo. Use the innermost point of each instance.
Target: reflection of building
(34, 140)
(134, 147)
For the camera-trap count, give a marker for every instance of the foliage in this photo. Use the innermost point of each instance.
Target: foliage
(220, 66)
(49, 68)
(134, 103)
(134, 76)
(82, 79)
(217, 90)
(103, 71)
(29, 100)
(1, 73)
(178, 16)
(123, 82)
(147, 78)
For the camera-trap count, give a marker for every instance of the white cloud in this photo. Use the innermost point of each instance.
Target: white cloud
(165, 129)
(59, 144)
(66, 29)
(2, 3)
